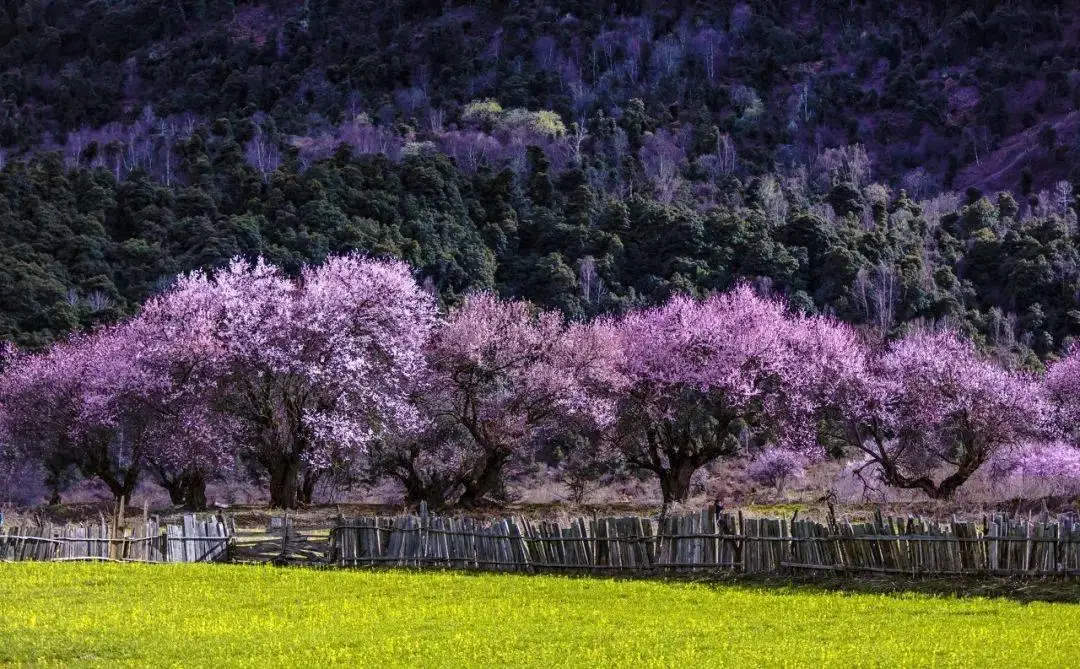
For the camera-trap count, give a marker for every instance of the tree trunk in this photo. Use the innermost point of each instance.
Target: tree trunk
(187, 489)
(194, 493)
(943, 491)
(307, 487)
(947, 488)
(175, 487)
(675, 481)
(434, 490)
(284, 483)
(121, 487)
(428, 495)
(486, 480)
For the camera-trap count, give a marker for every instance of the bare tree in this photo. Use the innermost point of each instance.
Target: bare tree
(471, 148)
(545, 52)
(581, 95)
(605, 47)
(980, 139)
(937, 207)
(662, 157)
(800, 111)
(262, 153)
(773, 202)
(846, 163)
(725, 153)
(918, 183)
(804, 101)
(1043, 205)
(578, 134)
(411, 99)
(1063, 196)
(749, 104)
(709, 45)
(876, 292)
(592, 286)
(166, 132)
(436, 117)
(1001, 328)
(824, 211)
(77, 141)
(98, 301)
(667, 55)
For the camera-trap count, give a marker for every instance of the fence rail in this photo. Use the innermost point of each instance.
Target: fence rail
(707, 541)
(699, 542)
(194, 539)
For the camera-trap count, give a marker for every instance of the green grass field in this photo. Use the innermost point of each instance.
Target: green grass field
(225, 615)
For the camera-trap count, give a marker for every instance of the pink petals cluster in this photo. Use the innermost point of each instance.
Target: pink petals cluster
(349, 364)
(245, 361)
(746, 353)
(501, 377)
(310, 370)
(776, 467)
(928, 411)
(1053, 461)
(698, 379)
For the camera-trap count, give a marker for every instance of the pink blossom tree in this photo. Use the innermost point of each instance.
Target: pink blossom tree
(776, 467)
(1052, 465)
(173, 341)
(79, 404)
(118, 401)
(294, 375)
(311, 371)
(38, 395)
(927, 412)
(698, 380)
(1063, 389)
(501, 376)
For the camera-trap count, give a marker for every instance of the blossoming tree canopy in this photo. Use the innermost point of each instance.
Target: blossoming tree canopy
(86, 402)
(928, 411)
(696, 373)
(1063, 386)
(309, 370)
(348, 363)
(173, 344)
(501, 373)
(502, 377)
(1052, 464)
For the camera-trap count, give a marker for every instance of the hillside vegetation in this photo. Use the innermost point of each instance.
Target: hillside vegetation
(587, 156)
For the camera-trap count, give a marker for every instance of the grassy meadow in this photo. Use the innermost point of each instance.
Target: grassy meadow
(230, 615)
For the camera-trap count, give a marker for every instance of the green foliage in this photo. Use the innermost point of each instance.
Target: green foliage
(701, 151)
(482, 112)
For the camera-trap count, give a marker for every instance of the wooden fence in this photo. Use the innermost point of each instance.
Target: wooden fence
(709, 542)
(194, 539)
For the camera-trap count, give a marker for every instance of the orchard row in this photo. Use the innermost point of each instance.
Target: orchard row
(351, 369)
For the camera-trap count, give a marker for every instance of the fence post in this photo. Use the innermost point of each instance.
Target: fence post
(336, 552)
(740, 545)
(283, 557)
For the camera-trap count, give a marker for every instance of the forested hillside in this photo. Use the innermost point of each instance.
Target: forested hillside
(885, 162)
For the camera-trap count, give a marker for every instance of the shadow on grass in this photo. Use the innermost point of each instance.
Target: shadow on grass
(1060, 590)
(1036, 589)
